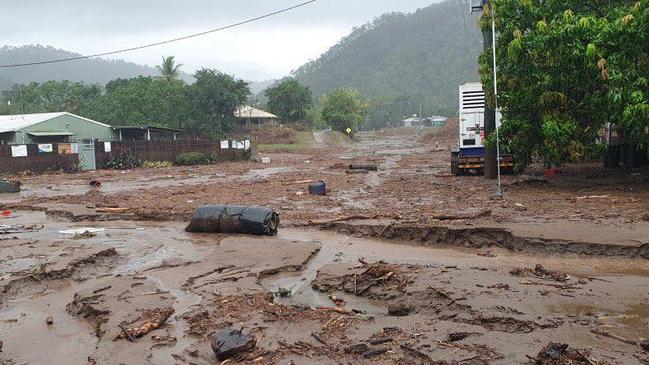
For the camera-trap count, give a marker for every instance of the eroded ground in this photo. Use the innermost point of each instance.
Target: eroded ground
(406, 265)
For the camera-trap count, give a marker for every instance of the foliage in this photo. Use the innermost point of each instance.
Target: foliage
(399, 62)
(566, 69)
(50, 96)
(89, 71)
(343, 109)
(157, 164)
(214, 97)
(289, 99)
(68, 164)
(168, 68)
(123, 159)
(206, 107)
(191, 159)
(142, 101)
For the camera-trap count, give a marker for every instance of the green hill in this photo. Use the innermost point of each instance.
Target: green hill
(94, 70)
(400, 61)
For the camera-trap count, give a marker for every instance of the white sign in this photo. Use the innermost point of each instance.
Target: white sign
(225, 145)
(19, 151)
(246, 144)
(45, 148)
(107, 147)
(75, 147)
(240, 145)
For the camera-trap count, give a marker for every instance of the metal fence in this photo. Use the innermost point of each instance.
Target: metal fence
(14, 159)
(35, 160)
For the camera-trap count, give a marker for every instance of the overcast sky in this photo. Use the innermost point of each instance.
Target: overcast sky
(270, 48)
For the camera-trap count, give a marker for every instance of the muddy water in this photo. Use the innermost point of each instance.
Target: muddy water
(144, 245)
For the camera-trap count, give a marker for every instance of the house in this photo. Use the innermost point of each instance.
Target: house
(146, 133)
(51, 128)
(247, 115)
(413, 122)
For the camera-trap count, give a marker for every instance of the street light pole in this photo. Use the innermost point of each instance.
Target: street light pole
(499, 190)
(492, 156)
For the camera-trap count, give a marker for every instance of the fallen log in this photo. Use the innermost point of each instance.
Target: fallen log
(366, 167)
(614, 336)
(452, 217)
(158, 318)
(112, 210)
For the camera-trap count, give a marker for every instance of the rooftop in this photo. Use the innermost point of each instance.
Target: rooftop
(248, 111)
(15, 122)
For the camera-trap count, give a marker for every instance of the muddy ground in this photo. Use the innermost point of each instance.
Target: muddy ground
(406, 265)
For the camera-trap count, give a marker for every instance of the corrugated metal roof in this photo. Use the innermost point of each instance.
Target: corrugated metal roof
(248, 111)
(12, 123)
(50, 133)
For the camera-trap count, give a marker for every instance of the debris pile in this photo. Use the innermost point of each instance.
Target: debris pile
(562, 354)
(540, 272)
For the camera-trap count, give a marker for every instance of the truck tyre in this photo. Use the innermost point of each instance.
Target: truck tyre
(455, 164)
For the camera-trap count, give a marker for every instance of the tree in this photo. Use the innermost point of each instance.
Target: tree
(566, 69)
(168, 68)
(51, 96)
(289, 99)
(142, 101)
(343, 109)
(214, 98)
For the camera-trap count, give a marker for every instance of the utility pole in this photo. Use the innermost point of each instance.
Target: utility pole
(492, 153)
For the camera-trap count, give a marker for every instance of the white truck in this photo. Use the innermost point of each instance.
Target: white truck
(469, 156)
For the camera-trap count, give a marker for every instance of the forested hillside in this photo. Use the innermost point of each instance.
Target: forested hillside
(401, 60)
(89, 71)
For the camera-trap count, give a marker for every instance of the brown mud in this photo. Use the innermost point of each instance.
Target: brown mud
(413, 266)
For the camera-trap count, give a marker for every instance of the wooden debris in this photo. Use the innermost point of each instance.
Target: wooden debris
(158, 318)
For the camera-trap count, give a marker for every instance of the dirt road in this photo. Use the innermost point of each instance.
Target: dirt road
(406, 265)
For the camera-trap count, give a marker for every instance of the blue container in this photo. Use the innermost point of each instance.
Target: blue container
(318, 188)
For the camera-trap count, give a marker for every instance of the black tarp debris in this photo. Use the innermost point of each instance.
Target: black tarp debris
(234, 219)
(229, 343)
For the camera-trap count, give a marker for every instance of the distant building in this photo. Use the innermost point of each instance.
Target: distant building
(413, 122)
(249, 115)
(51, 128)
(146, 133)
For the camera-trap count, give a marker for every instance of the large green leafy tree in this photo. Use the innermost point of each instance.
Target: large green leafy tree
(214, 97)
(343, 108)
(289, 99)
(142, 101)
(50, 96)
(566, 69)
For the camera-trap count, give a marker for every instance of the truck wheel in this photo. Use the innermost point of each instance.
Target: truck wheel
(455, 164)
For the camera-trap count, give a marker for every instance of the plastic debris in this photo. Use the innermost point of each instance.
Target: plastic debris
(234, 219)
(9, 186)
(319, 188)
(229, 343)
(81, 231)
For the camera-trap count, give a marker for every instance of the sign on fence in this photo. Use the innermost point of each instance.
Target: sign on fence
(19, 151)
(45, 148)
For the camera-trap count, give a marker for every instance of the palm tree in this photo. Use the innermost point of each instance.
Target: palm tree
(168, 68)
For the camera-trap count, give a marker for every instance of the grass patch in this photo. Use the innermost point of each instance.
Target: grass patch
(302, 140)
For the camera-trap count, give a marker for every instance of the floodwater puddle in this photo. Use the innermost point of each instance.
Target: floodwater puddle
(300, 284)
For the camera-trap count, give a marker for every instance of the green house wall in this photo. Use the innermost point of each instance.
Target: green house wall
(80, 128)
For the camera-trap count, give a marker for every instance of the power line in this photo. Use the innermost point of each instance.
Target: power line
(161, 42)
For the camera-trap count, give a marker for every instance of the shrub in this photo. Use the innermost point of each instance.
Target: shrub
(191, 159)
(157, 164)
(123, 159)
(67, 164)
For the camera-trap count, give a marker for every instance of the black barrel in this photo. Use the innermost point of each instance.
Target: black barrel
(234, 219)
